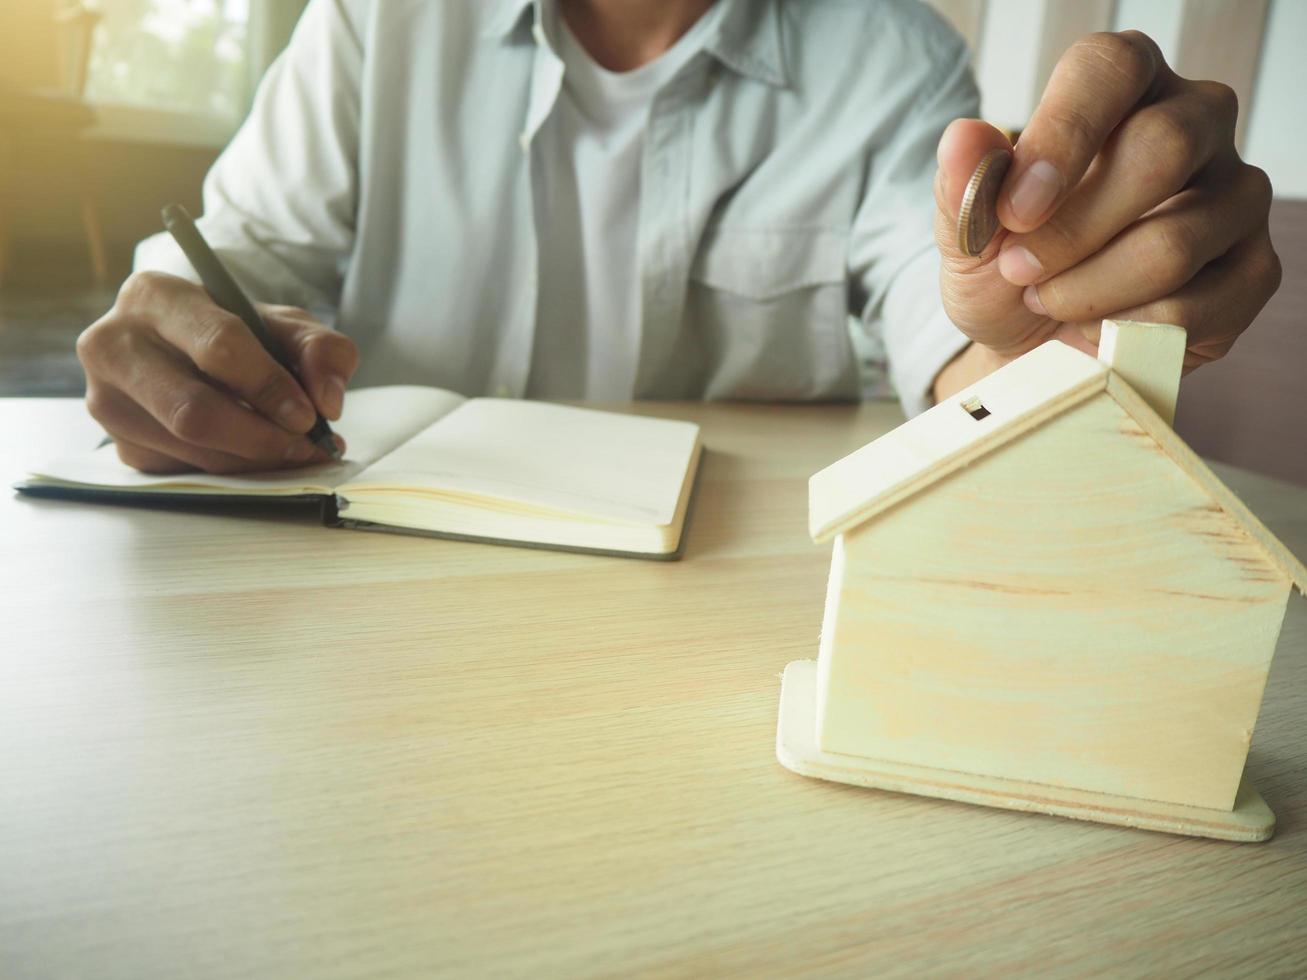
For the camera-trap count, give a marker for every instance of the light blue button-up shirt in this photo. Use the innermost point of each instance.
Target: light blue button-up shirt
(385, 175)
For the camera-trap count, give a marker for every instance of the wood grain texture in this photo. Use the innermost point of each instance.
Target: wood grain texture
(1249, 821)
(1149, 357)
(1071, 609)
(244, 746)
(1008, 403)
(1202, 474)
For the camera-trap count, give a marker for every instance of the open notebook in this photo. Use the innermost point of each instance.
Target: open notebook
(428, 461)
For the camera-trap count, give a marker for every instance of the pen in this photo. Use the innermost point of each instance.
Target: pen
(223, 289)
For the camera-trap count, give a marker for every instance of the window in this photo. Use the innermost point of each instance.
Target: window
(180, 71)
(182, 55)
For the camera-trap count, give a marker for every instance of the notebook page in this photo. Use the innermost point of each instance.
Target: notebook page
(374, 422)
(600, 465)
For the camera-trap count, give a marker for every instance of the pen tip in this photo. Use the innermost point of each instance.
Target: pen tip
(328, 446)
(322, 437)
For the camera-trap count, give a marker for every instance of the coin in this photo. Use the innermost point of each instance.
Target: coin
(977, 218)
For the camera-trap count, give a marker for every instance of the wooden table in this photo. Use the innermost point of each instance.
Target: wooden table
(240, 745)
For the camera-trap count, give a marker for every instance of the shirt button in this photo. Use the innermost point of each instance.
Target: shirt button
(524, 141)
(502, 391)
(538, 33)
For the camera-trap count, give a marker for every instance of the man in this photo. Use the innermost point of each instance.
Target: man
(672, 199)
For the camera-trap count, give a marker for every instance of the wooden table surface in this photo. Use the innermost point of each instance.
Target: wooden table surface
(242, 745)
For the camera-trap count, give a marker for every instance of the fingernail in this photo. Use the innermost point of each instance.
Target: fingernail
(1018, 266)
(333, 397)
(1031, 299)
(1035, 191)
(295, 415)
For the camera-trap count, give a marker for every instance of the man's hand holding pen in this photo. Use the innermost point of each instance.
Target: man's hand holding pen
(181, 384)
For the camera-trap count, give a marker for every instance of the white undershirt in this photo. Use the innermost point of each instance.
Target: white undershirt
(587, 342)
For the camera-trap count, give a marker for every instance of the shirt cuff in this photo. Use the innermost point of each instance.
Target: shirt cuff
(159, 253)
(918, 358)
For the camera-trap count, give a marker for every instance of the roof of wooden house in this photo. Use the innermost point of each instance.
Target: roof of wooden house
(996, 410)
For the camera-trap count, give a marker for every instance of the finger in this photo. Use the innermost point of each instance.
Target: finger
(1082, 336)
(220, 345)
(1151, 156)
(152, 448)
(961, 148)
(146, 460)
(168, 387)
(1158, 254)
(1092, 88)
(982, 304)
(1220, 302)
(325, 360)
(224, 348)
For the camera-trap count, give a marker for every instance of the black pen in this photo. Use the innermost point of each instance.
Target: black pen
(223, 289)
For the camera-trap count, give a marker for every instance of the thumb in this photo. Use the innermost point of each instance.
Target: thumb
(964, 144)
(984, 305)
(324, 359)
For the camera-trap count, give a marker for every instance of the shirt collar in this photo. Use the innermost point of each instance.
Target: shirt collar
(748, 40)
(747, 37)
(505, 15)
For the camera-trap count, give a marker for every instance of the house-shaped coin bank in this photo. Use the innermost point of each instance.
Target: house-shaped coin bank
(1041, 598)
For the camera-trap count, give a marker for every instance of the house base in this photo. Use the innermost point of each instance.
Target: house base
(796, 748)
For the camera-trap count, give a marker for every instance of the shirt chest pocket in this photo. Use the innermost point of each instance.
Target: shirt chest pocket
(769, 311)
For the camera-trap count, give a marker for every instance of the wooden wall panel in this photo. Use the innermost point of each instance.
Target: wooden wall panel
(1222, 39)
(1065, 22)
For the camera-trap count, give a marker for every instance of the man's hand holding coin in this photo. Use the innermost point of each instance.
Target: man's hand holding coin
(1125, 197)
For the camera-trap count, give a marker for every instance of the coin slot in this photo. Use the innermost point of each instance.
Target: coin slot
(975, 409)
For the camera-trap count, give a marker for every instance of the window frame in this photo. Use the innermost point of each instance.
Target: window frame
(267, 31)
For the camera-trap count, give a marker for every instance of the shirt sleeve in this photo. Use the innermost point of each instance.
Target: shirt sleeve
(893, 260)
(280, 202)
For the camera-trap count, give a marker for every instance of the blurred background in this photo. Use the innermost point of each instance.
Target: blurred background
(1248, 408)
(110, 109)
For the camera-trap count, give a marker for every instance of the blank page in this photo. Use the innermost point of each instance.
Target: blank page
(374, 421)
(599, 465)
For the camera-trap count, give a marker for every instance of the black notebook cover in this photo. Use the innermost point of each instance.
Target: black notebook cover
(330, 514)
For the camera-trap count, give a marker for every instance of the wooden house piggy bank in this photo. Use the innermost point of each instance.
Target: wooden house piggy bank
(1040, 598)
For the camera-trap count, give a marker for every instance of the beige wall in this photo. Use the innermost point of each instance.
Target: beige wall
(41, 179)
(29, 56)
(131, 183)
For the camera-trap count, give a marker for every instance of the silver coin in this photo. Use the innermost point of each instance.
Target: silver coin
(978, 217)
